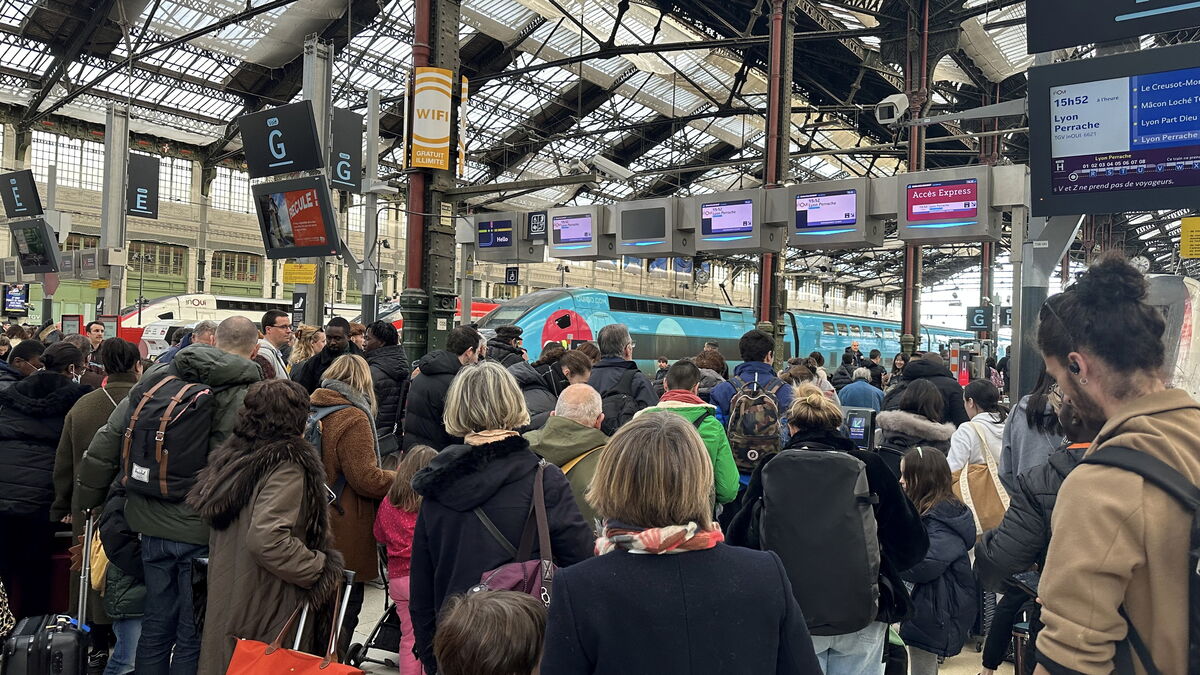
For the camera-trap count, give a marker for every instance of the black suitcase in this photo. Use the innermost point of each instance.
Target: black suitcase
(52, 644)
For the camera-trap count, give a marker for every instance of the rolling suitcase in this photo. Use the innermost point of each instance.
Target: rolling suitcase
(53, 643)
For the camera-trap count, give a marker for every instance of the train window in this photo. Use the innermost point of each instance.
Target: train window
(878, 332)
(514, 309)
(827, 328)
(640, 306)
(843, 330)
(167, 316)
(855, 330)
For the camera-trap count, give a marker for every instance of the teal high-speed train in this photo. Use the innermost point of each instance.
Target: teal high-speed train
(677, 328)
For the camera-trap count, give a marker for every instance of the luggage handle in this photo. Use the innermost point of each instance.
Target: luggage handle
(340, 601)
(85, 569)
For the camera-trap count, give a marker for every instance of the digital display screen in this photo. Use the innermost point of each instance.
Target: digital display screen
(37, 247)
(727, 217)
(946, 200)
(16, 297)
(826, 209)
(495, 234)
(572, 229)
(1126, 133)
(648, 223)
(294, 219)
(857, 427)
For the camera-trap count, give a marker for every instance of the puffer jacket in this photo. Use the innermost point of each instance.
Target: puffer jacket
(389, 378)
(503, 353)
(124, 581)
(427, 401)
(940, 377)
(451, 547)
(843, 376)
(1023, 537)
(539, 398)
(32, 412)
(9, 375)
(903, 430)
(709, 380)
(230, 375)
(945, 596)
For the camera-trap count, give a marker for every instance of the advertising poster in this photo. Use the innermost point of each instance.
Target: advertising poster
(16, 297)
(432, 89)
(294, 219)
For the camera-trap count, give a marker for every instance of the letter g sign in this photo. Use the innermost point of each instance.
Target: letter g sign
(275, 139)
(343, 167)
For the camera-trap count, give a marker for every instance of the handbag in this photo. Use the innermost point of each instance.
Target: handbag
(978, 486)
(534, 577)
(99, 563)
(251, 657)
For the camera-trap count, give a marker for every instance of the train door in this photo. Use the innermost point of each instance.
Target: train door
(1179, 300)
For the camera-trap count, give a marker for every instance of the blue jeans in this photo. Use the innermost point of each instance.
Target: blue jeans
(168, 622)
(858, 653)
(127, 631)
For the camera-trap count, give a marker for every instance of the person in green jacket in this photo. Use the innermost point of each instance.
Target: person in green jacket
(681, 398)
(172, 533)
(571, 440)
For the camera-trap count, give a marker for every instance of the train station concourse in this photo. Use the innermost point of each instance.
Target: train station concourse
(519, 336)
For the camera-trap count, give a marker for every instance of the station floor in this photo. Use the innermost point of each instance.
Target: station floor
(966, 663)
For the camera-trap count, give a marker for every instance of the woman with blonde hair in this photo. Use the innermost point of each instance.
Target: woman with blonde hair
(476, 499)
(815, 424)
(344, 407)
(308, 341)
(661, 566)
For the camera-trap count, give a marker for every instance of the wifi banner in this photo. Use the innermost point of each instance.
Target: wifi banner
(431, 105)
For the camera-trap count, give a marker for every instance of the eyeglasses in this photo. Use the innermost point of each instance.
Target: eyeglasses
(1054, 397)
(287, 327)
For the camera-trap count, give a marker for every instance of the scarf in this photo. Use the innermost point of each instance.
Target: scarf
(489, 436)
(683, 396)
(658, 540)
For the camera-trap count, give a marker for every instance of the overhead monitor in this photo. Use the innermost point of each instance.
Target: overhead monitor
(947, 206)
(831, 215)
(37, 247)
(580, 233)
(19, 193)
(651, 229)
(16, 300)
(296, 218)
(1116, 133)
(733, 222)
(504, 237)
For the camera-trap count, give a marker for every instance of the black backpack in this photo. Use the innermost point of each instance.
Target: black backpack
(618, 403)
(818, 514)
(166, 442)
(1164, 477)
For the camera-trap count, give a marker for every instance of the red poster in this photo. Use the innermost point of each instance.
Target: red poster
(304, 214)
(943, 201)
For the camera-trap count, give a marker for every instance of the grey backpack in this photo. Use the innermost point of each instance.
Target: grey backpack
(818, 515)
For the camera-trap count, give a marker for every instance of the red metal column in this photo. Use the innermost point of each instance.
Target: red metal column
(414, 258)
(918, 91)
(778, 100)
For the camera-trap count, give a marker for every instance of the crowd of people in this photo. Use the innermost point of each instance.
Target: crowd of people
(571, 514)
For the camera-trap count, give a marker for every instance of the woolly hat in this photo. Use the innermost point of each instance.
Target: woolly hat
(508, 333)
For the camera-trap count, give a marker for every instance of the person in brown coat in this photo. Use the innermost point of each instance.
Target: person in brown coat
(350, 453)
(122, 362)
(270, 548)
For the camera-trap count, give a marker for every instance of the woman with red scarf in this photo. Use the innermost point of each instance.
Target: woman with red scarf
(664, 594)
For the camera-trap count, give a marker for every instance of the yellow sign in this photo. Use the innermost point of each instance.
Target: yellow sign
(100, 283)
(1189, 238)
(299, 273)
(432, 89)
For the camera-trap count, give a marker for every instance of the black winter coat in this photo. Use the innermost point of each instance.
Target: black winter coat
(539, 398)
(451, 547)
(31, 421)
(940, 377)
(723, 610)
(310, 372)
(389, 377)
(902, 539)
(1024, 535)
(607, 373)
(843, 376)
(427, 401)
(903, 431)
(503, 353)
(945, 596)
(9, 375)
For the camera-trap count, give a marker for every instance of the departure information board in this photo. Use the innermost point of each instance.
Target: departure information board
(826, 209)
(572, 229)
(727, 217)
(943, 201)
(1126, 133)
(495, 233)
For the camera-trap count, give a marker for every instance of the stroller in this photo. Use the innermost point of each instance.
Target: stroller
(385, 635)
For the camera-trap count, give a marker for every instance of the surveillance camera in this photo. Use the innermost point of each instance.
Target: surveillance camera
(891, 109)
(610, 169)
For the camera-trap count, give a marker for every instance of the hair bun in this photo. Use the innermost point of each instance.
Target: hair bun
(1112, 280)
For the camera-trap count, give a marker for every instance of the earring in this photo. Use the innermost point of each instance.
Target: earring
(1083, 380)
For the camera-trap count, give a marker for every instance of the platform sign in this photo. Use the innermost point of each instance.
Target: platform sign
(141, 192)
(580, 233)
(1055, 24)
(512, 276)
(346, 155)
(19, 193)
(281, 140)
(733, 222)
(1189, 238)
(1006, 317)
(827, 214)
(1116, 133)
(650, 228)
(979, 318)
(504, 238)
(948, 206)
(539, 224)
